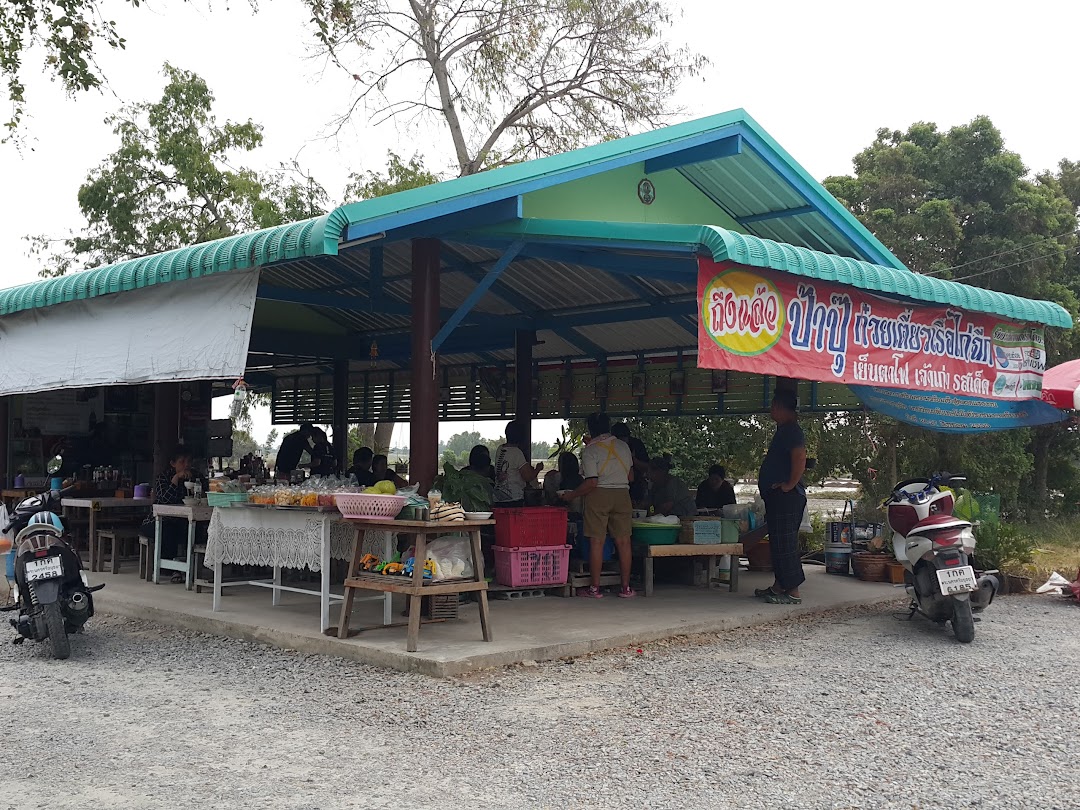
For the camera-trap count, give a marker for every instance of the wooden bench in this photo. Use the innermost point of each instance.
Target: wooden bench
(712, 552)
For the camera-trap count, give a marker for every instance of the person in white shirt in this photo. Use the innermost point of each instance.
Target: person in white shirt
(608, 467)
(513, 471)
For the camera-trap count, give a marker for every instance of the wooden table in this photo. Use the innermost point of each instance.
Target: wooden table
(416, 588)
(11, 497)
(95, 505)
(711, 551)
(194, 515)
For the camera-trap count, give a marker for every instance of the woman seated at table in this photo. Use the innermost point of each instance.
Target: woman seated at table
(668, 495)
(566, 478)
(715, 492)
(169, 490)
(477, 486)
(380, 469)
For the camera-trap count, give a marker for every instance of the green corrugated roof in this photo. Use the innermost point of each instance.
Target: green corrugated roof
(725, 245)
(293, 241)
(321, 236)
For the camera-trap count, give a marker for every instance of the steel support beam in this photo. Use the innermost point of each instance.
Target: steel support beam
(714, 150)
(478, 292)
(767, 215)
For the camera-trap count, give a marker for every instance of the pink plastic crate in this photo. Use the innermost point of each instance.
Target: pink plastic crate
(542, 566)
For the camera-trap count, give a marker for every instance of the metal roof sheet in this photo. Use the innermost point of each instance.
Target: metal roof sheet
(725, 245)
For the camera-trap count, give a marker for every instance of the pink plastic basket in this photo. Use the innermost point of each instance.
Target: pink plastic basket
(361, 505)
(542, 566)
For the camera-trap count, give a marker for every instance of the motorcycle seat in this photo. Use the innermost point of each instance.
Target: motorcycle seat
(936, 523)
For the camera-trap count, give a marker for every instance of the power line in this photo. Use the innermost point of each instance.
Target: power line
(1014, 264)
(1001, 253)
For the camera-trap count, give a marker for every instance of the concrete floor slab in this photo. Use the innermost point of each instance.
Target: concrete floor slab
(532, 629)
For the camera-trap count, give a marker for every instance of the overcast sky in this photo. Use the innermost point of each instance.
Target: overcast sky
(820, 77)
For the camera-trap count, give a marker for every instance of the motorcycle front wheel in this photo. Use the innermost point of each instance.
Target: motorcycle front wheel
(58, 637)
(963, 623)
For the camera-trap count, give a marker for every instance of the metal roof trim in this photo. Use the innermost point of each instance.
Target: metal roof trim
(293, 241)
(724, 245)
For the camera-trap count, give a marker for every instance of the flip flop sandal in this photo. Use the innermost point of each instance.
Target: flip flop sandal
(178, 578)
(763, 592)
(782, 599)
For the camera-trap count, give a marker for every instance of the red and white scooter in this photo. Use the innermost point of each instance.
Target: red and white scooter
(935, 548)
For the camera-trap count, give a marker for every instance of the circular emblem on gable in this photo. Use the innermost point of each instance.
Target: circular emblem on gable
(646, 191)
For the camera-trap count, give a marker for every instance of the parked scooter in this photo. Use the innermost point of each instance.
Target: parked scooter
(935, 548)
(52, 598)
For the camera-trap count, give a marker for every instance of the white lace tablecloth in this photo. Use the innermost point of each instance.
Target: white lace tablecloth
(275, 537)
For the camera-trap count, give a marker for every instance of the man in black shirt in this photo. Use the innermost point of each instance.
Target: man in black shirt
(780, 484)
(292, 448)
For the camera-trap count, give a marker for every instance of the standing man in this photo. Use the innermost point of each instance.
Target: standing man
(292, 448)
(780, 484)
(608, 468)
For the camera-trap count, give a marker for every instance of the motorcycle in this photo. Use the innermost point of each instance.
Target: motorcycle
(52, 594)
(936, 548)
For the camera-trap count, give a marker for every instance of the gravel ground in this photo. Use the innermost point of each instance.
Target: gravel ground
(854, 710)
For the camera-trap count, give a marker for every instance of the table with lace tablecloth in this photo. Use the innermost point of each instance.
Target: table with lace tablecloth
(282, 538)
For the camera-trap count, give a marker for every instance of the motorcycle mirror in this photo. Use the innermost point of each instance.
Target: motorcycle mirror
(56, 463)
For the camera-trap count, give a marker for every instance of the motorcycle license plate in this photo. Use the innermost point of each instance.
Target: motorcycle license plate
(957, 580)
(47, 568)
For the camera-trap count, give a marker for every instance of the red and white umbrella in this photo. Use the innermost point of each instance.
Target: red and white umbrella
(1061, 386)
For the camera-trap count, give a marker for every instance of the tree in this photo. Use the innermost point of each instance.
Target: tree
(399, 177)
(68, 32)
(270, 446)
(170, 183)
(957, 204)
(697, 442)
(510, 79)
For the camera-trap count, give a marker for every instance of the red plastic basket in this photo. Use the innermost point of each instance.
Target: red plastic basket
(541, 566)
(531, 527)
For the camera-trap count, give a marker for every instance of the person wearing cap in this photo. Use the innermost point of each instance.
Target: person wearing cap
(781, 487)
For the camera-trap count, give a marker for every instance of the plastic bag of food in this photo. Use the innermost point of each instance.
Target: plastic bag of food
(452, 556)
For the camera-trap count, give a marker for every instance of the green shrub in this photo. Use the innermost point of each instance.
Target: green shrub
(1003, 546)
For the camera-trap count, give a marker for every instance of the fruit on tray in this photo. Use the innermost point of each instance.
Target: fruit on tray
(382, 488)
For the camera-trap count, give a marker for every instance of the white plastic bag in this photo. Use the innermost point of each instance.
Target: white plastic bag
(452, 556)
(806, 527)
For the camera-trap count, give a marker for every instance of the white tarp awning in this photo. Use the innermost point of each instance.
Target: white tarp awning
(190, 330)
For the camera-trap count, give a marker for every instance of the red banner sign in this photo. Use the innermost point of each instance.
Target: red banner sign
(768, 322)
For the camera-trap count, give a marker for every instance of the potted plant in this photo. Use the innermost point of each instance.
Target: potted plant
(872, 565)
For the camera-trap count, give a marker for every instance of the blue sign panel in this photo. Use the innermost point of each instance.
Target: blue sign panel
(950, 413)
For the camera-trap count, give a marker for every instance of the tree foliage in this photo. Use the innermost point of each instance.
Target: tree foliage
(69, 33)
(399, 176)
(171, 183)
(959, 205)
(509, 79)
